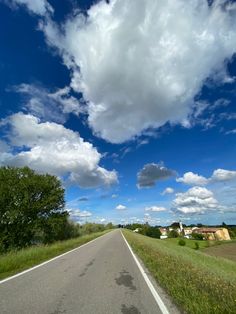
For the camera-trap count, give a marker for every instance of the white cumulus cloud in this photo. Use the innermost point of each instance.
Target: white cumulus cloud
(140, 64)
(196, 200)
(155, 209)
(50, 147)
(221, 175)
(39, 7)
(121, 207)
(168, 191)
(193, 179)
(77, 214)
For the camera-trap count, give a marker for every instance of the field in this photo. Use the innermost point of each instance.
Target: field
(227, 251)
(14, 262)
(198, 283)
(191, 243)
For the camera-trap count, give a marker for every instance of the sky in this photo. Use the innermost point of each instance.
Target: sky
(130, 103)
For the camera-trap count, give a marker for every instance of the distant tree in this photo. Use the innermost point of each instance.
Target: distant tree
(175, 225)
(90, 227)
(197, 236)
(134, 226)
(173, 234)
(153, 232)
(28, 203)
(199, 225)
(109, 226)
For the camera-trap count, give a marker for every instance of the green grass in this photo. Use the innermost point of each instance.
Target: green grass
(191, 243)
(16, 261)
(198, 283)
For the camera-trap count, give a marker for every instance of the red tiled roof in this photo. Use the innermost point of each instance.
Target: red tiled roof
(207, 230)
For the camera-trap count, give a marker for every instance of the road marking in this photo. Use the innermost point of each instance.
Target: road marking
(156, 296)
(51, 260)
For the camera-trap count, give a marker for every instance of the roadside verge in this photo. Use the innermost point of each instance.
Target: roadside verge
(197, 283)
(17, 263)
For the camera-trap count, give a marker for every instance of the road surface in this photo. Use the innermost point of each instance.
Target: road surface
(98, 278)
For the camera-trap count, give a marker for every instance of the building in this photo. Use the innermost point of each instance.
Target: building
(188, 231)
(213, 233)
(163, 231)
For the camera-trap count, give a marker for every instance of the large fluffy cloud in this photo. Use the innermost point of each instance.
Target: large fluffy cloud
(196, 200)
(50, 147)
(222, 175)
(151, 173)
(218, 175)
(139, 64)
(39, 7)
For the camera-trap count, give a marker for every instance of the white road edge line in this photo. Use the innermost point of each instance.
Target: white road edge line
(50, 260)
(156, 296)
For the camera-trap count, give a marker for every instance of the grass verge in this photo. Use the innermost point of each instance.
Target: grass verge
(16, 261)
(202, 243)
(197, 283)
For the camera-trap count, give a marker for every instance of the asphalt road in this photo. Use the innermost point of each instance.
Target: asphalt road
(99, 278)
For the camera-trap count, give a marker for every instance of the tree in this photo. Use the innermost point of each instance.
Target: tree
(173, 234)
(28, 202)
(153, 232)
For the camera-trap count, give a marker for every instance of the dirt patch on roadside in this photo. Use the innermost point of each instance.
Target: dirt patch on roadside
(224, 250)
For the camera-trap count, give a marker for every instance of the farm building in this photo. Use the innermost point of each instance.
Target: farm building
(213, 233)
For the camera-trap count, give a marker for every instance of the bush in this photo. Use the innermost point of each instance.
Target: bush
(182, 242)
(196, 246)
(197, 236)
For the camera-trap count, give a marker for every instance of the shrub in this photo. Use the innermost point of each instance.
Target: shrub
(198, 236)
(182, 242)
(196, 246)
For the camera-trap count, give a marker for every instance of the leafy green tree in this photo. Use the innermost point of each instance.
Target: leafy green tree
(153, 232)
(28, 203)
(109, 225)
(173, 234)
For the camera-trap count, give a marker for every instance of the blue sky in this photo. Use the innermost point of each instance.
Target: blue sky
(131, 104)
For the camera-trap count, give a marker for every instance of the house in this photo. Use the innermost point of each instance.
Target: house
(213, 233)
(188, 231)
(163, 231)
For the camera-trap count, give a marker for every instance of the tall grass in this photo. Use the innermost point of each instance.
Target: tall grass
(16, 261)
(198, 283)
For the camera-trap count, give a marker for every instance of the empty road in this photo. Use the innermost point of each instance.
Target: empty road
(98, 278)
